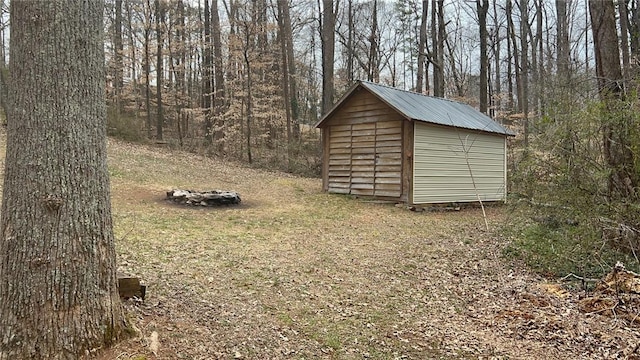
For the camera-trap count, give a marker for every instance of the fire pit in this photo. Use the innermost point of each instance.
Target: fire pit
(203, 198)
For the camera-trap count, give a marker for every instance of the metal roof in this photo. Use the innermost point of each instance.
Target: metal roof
(414, 106)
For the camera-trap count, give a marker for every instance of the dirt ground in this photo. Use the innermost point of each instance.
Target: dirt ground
(294, 273)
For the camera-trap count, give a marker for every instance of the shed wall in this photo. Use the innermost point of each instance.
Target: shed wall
(364, 148)
(441, 172)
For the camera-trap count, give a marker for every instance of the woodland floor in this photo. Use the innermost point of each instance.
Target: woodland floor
(294, 273)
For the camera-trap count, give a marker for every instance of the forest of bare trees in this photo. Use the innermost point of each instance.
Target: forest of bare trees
(241, 78)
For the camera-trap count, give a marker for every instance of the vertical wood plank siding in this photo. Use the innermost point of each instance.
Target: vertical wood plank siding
(440, 166)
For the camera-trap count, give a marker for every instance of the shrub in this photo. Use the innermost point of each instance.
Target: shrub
(569, 218)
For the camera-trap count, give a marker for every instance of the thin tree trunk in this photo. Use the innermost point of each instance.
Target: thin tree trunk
(286, 95)
(562, 40)
(421, 46)
(524, 67)
(207, 68)
(482, 7)
(118, 52)
(373, 71)
(132, 46)
(293, 74)
(147, 65)
(512, 53)
(159, 71)
(624, 39)
(219, 94)
(442, 34)
(249, 113)
(58, 286)
(350, 31)
(496, 55)
(328, 54)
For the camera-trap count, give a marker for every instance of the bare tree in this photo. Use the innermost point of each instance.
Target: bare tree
(617, 149)
(422, 42)
(436, 56)
(482, 6)
(118, 50)
(219, 98)
(523, 95)
(159, 62)
(207, 69)
(328, 54)
(562, 39)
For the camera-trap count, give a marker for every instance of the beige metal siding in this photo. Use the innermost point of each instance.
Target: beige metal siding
(441, 173)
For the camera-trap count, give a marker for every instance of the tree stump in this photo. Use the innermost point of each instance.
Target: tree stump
(203, 198)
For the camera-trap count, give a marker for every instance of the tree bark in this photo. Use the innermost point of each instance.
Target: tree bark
(617, 147)
(437, 47)
(58, 285)
(350, 36)
(496, 45)
(422, 41)
(328, 54)
(373, 73)
(512, 54)
(219, 95)
(159, 71)
(147, 64)
(118, 52)
(132, 47)
(624, 38)
(286, 95)
(523, 95)
(562, 40)
(207, 67)
(482, 7)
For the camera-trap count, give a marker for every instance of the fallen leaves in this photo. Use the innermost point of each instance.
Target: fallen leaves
(304, 274)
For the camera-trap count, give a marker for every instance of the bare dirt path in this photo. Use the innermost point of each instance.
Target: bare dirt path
(294, 273)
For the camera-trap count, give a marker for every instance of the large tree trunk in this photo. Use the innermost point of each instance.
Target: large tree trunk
(58, 292)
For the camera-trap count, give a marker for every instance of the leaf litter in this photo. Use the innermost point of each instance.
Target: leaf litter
(301, 274)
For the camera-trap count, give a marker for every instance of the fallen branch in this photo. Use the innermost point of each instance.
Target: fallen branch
(583, 279)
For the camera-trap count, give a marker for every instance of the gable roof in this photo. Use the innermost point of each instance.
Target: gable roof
(418, 107)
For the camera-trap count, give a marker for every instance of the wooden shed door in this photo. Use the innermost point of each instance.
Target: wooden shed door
(366, 159)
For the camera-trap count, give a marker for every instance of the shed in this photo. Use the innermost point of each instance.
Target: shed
(399, 145)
